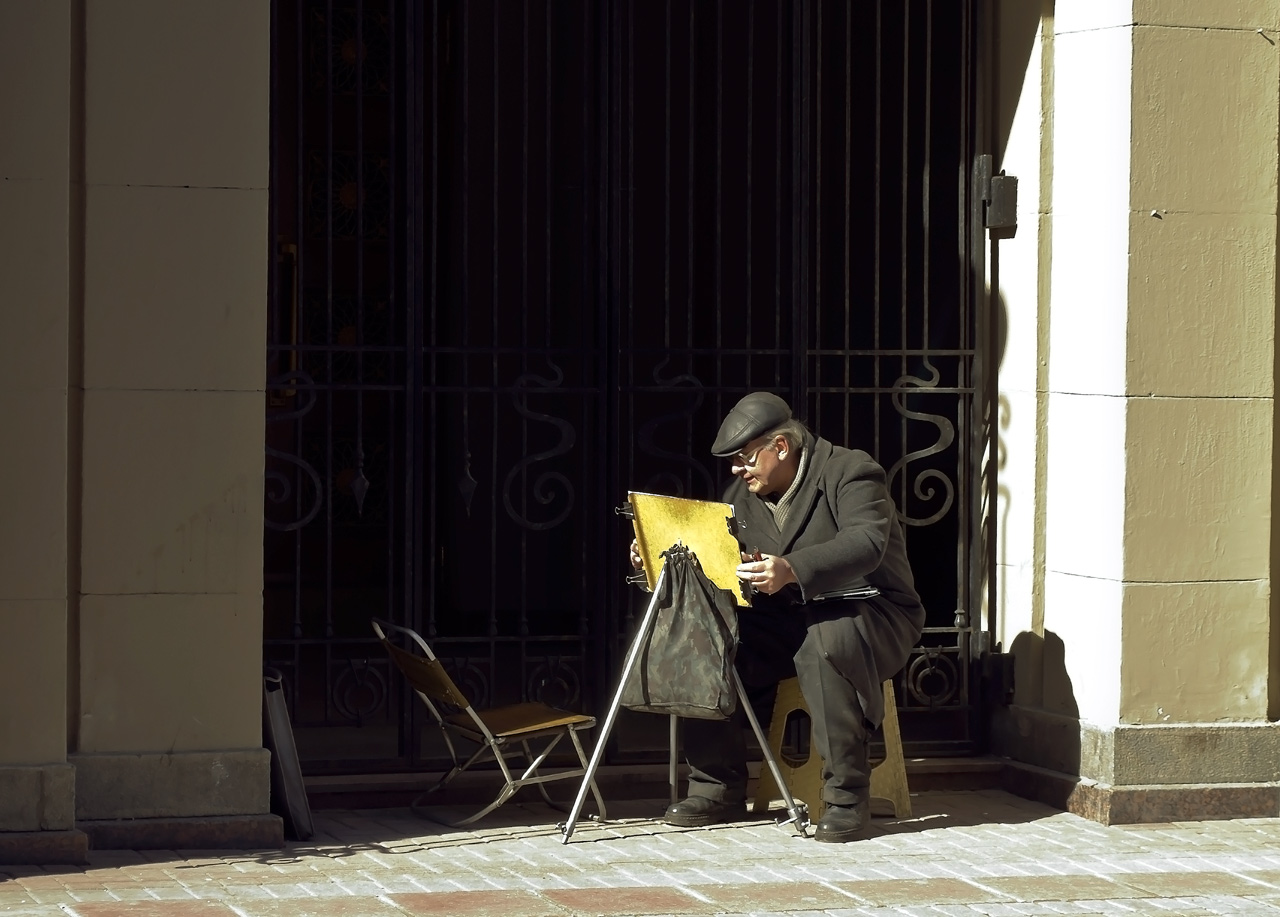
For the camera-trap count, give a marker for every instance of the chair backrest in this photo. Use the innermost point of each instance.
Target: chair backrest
(425, 673)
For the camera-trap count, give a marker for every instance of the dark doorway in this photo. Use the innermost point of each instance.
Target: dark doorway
(527, 254)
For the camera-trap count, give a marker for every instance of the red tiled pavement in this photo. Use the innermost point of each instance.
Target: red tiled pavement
(775, 896)
(189, 908)
(477, 904)
(606, 902)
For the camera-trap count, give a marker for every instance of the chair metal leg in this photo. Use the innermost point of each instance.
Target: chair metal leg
(533, 766)
(595, 790)
(588, 779)
(798, 811)
(503, 795)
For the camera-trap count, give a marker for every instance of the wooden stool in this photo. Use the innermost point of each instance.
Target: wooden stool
(888, 778)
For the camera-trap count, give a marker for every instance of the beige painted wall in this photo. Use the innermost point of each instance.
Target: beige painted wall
(1147, 476)
(1200, 373)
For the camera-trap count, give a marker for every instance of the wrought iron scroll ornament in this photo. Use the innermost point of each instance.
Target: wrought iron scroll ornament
(554, 682)
(645, 437)
(279, 487)
(469, 678)
(548, 484)
(359, 691)
(946, 435)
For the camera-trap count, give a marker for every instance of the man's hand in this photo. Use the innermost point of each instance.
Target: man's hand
(636, 560)
(767, 575)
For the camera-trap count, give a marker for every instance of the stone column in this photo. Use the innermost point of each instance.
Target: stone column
(1161, 417)
(37, 382)
(169, 744)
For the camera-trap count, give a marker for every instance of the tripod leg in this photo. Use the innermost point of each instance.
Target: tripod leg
(603, 737)
(672, 776)
(798, 811)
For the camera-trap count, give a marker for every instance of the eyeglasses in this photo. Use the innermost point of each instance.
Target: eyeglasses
(749, 461)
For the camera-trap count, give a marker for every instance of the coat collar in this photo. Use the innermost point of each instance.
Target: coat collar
(810, 489)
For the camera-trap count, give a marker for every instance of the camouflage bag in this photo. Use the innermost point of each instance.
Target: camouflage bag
(685, 666)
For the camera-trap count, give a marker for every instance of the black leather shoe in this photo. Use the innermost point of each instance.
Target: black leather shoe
(697, 811)
(840, 824)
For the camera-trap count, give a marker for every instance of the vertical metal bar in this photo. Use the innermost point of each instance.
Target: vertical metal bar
(423, 477)
(360, 194)
(666, 198)
(926, 179)
(465, 280)
(425, 473)
(393, 301)
(750, 247)
(905, 238)
(524, 296)
(329, 342)
(719, 240)
(405, 273)
(301, 234)
(689, 220)
(965, 597)
(493, 337)
(598, 283)
(801, 270)
(813, 345)
(879, 224)
(778, 218)
(848, 159)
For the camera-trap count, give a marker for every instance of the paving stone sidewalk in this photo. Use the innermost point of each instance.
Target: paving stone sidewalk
(970, 853)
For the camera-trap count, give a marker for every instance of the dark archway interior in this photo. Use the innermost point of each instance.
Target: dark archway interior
(527, 254)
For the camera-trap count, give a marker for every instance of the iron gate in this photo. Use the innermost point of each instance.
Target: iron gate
(526, 256)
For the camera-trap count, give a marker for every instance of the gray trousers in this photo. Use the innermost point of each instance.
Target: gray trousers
(774, 645)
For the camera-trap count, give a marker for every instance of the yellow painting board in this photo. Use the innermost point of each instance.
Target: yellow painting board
(702, 526)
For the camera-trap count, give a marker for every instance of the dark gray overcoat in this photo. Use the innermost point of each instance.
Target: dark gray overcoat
(841, 532)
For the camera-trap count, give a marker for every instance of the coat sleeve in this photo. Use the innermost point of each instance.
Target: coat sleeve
(864, 518)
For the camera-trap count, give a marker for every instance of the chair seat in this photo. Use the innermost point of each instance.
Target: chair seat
(525, 720)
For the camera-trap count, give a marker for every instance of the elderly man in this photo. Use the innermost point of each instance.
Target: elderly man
(836, 605)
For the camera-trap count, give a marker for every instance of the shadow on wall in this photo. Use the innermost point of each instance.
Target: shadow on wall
(1017, 22)
(1042, 726)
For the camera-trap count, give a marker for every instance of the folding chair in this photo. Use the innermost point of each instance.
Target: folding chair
(499, 731)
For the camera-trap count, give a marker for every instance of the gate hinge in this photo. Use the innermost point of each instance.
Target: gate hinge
(999, 195)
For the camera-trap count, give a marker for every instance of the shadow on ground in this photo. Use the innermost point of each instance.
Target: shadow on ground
(393, 832)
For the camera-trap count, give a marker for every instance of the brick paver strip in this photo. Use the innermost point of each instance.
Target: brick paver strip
(775, 896)
(318, 907)
(477, 904)
(608, 902)
(919, 892)
(1194, 884)
(152, 909)
(1061, 888)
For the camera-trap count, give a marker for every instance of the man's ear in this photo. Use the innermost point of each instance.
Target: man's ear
(780, 443)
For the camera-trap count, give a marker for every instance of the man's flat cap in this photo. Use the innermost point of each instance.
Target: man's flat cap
(753, 416)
